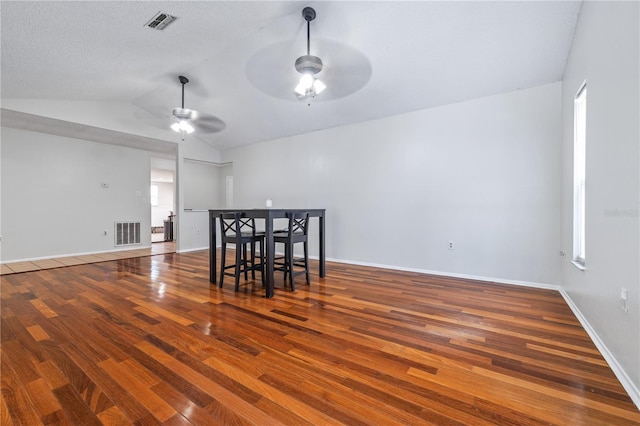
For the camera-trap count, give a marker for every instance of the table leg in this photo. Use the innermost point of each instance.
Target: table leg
(321, 244)
(213, 260)
(270, 249)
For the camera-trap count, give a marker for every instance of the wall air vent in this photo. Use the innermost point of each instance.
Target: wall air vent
(160, 21)
(127, 233)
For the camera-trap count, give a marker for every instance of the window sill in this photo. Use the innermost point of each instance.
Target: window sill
(579, 265)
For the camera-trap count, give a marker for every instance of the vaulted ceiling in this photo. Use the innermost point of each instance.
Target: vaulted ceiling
(94, 64)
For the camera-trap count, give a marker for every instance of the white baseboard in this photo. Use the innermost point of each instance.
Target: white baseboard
(86, 253)
(625, 380)
(192, 249)
(449, 274)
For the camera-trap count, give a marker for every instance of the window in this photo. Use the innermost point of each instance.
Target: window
(579, 174)
(154, 195)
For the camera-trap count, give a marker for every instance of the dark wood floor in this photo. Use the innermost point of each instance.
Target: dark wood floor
(148, 341)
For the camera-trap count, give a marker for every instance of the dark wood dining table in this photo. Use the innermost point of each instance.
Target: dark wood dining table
(268, 215)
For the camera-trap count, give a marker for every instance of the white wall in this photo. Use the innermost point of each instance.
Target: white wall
(605, 54)
(484, 174)
(198, 186)
(201, 185)
(195, 230)
(52, 200)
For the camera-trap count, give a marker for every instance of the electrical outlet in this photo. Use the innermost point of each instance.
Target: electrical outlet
(451, 245)
(624, 299)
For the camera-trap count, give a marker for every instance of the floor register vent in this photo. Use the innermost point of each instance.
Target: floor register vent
(127, 233)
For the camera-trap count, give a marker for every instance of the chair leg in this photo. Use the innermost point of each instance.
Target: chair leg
(286, 264)
(238, 265)
(306, 261)
(244, 261)
(223, 257)
(253, 259)
(290, 263)
(262, 265)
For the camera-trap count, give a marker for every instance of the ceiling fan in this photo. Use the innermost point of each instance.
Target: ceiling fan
(309, 65)
(189, 120)
(342, 71)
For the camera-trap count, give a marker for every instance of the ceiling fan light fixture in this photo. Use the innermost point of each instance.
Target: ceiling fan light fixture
(182, 126)
(309, 86)
(305, 83)
(185, 113)
(318, 86)
(187, 120)
(309, 65)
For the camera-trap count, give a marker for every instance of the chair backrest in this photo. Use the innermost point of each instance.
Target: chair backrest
(234, 224)
(298, 223)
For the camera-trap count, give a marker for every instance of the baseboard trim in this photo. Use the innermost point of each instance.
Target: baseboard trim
(192, 249)
(623, 377)
(449, 274)
(87, 253)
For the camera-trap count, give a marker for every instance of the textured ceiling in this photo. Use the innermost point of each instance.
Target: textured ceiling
(381, 59)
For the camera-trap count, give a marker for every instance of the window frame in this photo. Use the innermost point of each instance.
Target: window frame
(579, 175)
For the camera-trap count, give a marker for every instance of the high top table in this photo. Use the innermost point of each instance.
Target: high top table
(268, 215)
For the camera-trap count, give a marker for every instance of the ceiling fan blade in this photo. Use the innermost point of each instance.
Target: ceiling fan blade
(206, 123)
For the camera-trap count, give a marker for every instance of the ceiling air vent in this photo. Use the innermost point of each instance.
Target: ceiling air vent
(160, 21)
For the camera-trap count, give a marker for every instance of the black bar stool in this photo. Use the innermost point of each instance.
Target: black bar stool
(239, 230)
(297, 232)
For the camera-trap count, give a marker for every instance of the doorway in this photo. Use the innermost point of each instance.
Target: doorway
(162, 205)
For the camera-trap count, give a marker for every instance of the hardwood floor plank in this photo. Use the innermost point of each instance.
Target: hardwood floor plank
(5, 416)
(615, 412)
(148, 340)
(37, 333)
(74, 407)
(114, 394)
(52, 374)
(43, 399)
(433, 399)
(230, 400)
(113, 416)
(181, 403)
(18, 402)
(121, 375)
(303, 413)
